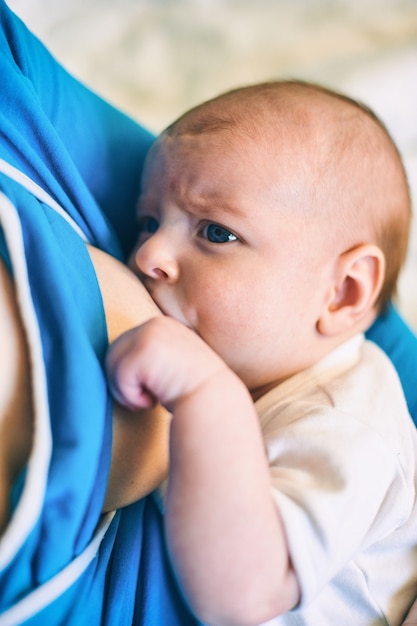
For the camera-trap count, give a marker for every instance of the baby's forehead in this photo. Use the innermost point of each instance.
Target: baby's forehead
(286, 120)
(321, 134)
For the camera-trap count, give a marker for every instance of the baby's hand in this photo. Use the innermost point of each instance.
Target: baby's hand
(159, 361)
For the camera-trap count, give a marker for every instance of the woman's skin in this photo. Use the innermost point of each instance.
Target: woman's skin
(143, 442)
(15, 397)
(140, 446)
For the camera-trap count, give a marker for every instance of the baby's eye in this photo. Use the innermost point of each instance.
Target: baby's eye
(147, 225)
(217, 234)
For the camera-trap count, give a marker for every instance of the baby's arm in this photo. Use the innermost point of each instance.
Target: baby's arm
(224, 534)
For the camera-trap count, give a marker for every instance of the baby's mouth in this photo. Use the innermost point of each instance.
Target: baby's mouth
(167, 303)
(170, 311)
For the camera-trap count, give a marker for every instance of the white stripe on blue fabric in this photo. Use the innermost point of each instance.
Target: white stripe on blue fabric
(56, 586)
(39, 193)
(30, 504)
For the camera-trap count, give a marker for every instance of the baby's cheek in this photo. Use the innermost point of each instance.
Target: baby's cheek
(221, 310)
(225, 334)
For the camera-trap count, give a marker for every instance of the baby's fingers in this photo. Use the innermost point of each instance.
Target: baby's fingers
(124, 378)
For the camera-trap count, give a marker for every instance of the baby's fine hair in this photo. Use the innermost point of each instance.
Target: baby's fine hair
(355, 136)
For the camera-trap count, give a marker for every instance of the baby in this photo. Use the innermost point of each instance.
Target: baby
(273, 223)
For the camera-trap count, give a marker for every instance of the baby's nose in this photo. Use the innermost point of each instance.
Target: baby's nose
(156, 259)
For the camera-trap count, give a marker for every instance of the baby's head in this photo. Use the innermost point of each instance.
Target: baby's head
(344, 165)
(274, 222)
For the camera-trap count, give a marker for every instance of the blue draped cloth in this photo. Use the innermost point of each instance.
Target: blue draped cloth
(57, 564)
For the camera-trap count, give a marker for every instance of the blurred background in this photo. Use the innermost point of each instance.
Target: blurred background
(156, 58)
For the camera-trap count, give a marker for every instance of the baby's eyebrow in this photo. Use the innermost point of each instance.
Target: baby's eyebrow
(209, 204)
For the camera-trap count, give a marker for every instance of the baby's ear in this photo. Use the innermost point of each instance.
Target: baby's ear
(357, 281)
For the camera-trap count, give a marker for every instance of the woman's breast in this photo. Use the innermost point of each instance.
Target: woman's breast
(126, 301)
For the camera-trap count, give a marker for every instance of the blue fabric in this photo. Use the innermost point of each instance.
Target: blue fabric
(393, 335)
(88, 157)
(77, 147)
